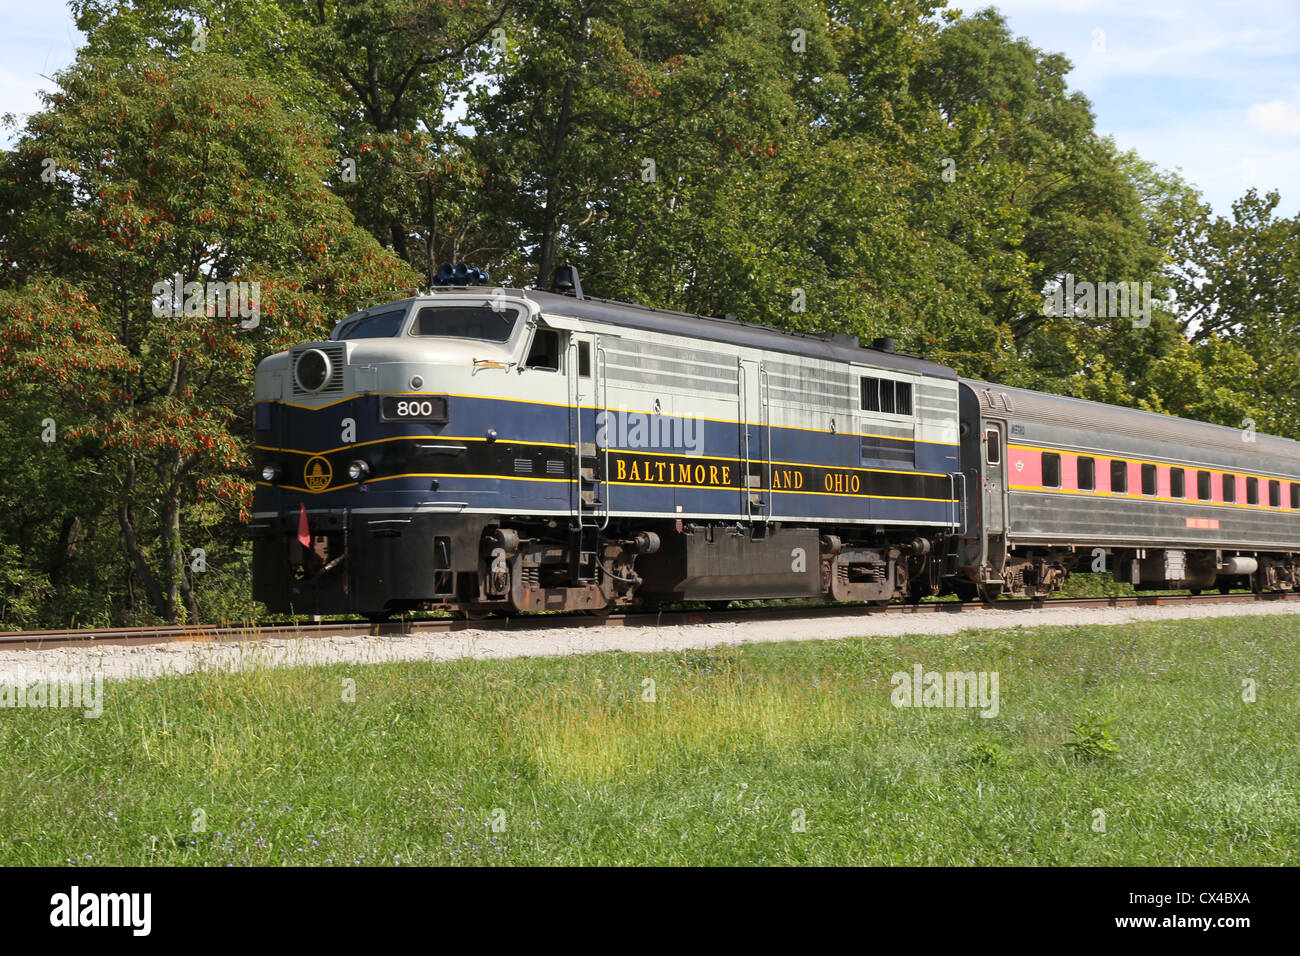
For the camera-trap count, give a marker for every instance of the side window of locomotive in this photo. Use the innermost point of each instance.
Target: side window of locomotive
(903, 398)
(584, 359)
(465, 322)
(1051, 469)
(384, 325)
(1148, 479)
(544, 353)
(871, 394)
(1229, 488)
(1275, 494)
(1119, 477)
(1177, 483)
(994, 441)
(1087, 469)
(1295, 497)
(1252, 491)
(885, 395)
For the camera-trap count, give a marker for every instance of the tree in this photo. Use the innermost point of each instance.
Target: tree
(163, 169)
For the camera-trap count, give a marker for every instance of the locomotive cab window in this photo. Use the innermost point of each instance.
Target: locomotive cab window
(1119, 477)
(584, 359)
(1148, 479)
(544, 353)
(1203, 485)
(1275, 494)
(1252, 491)
(1229, 488)
(1051, 469)
(1087, 474)
(382, 325)
(466, 322)
(1177, 483)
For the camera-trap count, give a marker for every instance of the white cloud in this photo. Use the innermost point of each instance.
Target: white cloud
(1278, 116)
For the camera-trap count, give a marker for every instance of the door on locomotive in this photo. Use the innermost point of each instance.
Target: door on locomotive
(589, 499)
(755, 443)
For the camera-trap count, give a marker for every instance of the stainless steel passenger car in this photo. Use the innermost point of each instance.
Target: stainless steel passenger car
(1056, 483)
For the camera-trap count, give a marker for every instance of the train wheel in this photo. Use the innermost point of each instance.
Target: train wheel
(1225, 588)
(989, 593)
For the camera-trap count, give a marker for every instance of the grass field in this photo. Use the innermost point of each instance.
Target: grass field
(773, 754)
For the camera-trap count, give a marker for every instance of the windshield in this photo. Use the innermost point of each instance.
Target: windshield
(466, 322)
(381, 326)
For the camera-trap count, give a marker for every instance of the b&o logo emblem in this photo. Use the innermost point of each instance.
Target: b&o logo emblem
(317, 474)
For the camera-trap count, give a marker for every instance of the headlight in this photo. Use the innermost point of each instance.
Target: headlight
(358, 470)
(270, 471)
(312, 370)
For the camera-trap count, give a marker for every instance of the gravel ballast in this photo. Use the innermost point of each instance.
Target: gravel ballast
(119, 662)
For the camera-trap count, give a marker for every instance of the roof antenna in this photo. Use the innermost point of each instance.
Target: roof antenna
(565, 281)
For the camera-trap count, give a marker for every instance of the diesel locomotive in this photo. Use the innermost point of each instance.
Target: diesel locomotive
(490, 449)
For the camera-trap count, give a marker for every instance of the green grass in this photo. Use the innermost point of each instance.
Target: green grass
(1145, 723)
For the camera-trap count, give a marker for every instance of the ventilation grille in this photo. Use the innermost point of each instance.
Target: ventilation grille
(337, 354)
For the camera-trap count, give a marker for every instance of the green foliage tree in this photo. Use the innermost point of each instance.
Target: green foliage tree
(154, 170)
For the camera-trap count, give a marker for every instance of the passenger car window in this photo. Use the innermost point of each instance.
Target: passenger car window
(1295, 497)
(1230, 488)
(1203, 485)
(1051, 469)
(1119, 477)
(544, 353)
(1252, 491)
(1148, 479)
(1087, 470)
(1275, 494)
(994, 439)
(1177, 483)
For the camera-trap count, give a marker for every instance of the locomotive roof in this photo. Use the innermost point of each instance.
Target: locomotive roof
(730, 331)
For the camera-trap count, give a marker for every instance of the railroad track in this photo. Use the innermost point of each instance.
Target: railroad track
(45, 640)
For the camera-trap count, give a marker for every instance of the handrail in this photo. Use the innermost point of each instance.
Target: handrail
(765, 425)
(744, 431)
(577, 444)
(603, 385)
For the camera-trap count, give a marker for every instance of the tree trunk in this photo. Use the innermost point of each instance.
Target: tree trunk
(135, 553)
(175, 556)
(551, 214)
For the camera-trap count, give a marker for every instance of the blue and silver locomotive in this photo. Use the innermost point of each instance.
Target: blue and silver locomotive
(488, 449)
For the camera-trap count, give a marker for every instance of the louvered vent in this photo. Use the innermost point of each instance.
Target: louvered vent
(336, 352)
(554, 467)
(523, 466)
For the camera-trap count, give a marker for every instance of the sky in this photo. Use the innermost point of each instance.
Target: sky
(1208, 87)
